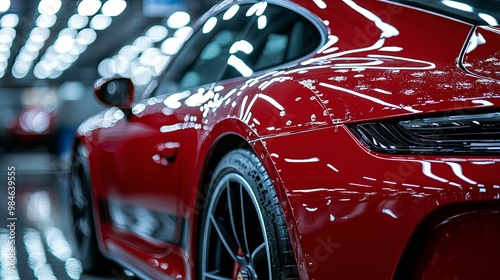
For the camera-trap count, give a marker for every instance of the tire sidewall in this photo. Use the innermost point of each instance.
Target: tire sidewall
(245, 164)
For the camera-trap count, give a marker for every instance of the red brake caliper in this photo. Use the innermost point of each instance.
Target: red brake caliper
(237, 267)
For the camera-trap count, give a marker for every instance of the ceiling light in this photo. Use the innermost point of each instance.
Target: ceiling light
(178, 20)
(141, 76)
(160, 63)
(20, 69)
(46, 21)
(50, 52)
(170, 46)
(458, 5)
(49, 7)
(183, 33)
(157, 33)
(4, 56)
(69, 58)
(39, 34)
(64, 43)
(33, 46)
(113, 8)
(68, 32)
(28, 54)
(149, 56)
(7, 35)
(86, 36)
(78, 21)
(63, 66)
(104, 69)
(89, 7)
(119, 65)
(488, 18)
(143, 43)
(55, 75)
(9, 21)
(77, 49)
(40, 72)
(4, 5)
(100, 22)
(128, 52)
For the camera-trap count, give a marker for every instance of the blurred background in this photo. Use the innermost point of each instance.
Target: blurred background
(51, 53)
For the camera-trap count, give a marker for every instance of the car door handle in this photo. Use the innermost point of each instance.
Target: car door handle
(165, 153)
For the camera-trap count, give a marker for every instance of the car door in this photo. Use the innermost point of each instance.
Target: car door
(146, 152)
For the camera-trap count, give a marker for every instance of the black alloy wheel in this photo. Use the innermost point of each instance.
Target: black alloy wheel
(243, 230)
(83, 228)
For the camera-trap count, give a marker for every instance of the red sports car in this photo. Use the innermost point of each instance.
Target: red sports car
(303, 139)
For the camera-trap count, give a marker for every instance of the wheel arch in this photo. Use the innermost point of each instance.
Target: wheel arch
(224, 144)
(100, 213)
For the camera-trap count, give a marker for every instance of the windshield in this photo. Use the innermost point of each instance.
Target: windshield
(479, 12)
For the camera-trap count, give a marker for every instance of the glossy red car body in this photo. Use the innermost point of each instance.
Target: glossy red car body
(352, 212)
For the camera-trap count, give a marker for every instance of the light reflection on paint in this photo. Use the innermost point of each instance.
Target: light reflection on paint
(229, 14)
(390, 213)
(321, 4)
(332, 167)
(209, 25)
(458, 5)
(370, 98)
(426, 170)
(240, 66)
(391, 49)
(258, 9)
(139, 108)
(173, 101)
(457, 169)
(245, 114)
(262, 22)
(475, 40)
(388, 30)
(241, 45)
(302, 160)
(360, 185)
(482, 103)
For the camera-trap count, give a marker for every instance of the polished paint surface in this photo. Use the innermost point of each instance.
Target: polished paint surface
(351, 212)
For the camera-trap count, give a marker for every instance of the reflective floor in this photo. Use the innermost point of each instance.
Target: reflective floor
(38, 222)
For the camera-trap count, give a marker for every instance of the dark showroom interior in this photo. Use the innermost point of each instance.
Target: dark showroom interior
(40, 110)
(250, 139)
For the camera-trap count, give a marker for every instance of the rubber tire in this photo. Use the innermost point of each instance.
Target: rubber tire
(246, 164)
(86, 251)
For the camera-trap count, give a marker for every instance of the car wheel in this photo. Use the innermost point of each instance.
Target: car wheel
(243, 230)
(82, 219)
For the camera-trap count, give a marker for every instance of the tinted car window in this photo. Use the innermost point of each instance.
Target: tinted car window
(276, 36)
(203, 58)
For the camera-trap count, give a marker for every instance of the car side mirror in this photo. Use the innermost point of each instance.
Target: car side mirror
(117, 92)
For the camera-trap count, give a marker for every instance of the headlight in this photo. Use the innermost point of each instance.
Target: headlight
(458, 134)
